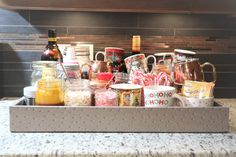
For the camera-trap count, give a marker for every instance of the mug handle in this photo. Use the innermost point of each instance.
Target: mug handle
(100, 52)
(89, 69)
(154, 58)
(161, 61)
(180, 99)
(213, 70)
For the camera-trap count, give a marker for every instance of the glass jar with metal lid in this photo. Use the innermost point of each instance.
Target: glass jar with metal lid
(72, 70)
(78, 93)
(82, 56)
(37, 67)
(49, 89)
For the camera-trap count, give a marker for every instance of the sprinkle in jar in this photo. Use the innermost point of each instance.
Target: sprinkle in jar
(78, 94)
(104, 97)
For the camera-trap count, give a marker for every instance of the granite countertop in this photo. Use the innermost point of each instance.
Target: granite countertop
(117, 144)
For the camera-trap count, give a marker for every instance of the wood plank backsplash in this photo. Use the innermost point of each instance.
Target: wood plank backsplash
(23, 36)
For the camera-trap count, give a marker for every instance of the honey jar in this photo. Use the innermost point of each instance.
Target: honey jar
(49, 89)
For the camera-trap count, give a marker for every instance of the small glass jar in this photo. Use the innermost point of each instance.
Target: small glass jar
(121, 78)
(72, 70)
(49, 89)
(37, 67)
(78, 93)
(103, 80)
(104, 97)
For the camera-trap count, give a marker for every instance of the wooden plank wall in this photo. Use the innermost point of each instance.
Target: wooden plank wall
(23, 37)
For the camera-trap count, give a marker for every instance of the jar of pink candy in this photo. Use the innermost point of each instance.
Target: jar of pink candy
(104, 97)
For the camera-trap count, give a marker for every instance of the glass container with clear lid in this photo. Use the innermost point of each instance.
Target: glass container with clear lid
(49, 89)
(78, 93)
(82, 56)
(37, 67)
(72, 70)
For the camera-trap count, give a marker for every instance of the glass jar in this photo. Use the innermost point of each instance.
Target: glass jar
(72, 70)
(121, 78)
(103, 81)
(49, 89)
(78, 93)
(104, 97)
(82, 56)
(37, 67)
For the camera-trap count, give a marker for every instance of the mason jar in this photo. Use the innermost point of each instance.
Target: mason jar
(49, 89)
(72, 70)
(78, 93)
(37, 67)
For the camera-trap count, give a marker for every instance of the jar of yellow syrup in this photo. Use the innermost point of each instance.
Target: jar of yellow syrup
(49, 89)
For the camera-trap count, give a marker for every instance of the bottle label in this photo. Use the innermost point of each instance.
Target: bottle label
(52, 39)
(136, 44)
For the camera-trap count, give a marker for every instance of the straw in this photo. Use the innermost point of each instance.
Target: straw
(109, 81)
(63, 69)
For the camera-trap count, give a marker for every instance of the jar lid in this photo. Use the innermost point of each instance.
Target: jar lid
(124, 86)
(44, 63)
(82, 83)
(30, 91)
(184, 51)
(162, 54)
(82, 54)
(71, 65)
(105, 76)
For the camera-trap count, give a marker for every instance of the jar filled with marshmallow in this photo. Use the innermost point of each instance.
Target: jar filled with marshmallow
(78, 93)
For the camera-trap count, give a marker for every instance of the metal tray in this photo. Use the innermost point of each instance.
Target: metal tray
(118, 119)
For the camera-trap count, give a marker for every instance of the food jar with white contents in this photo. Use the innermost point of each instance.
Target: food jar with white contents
(78, 93)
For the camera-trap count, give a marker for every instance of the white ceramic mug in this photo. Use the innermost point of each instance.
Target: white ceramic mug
(182, 55)
(198, 102)
(159, 96)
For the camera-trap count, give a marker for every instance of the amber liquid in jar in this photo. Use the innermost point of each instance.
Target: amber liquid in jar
(49, 90)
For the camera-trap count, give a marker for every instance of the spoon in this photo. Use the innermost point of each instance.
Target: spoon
(64, 71)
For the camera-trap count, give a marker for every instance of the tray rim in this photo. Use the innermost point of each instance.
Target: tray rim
(217, 105)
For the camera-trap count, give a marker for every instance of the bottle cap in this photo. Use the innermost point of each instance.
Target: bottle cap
(30, 91)
(52, 33)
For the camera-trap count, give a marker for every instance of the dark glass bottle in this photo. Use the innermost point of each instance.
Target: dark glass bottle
(52, 52)
(136, 42)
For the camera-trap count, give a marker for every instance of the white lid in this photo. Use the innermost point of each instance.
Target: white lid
(164, 54)
(126, 86)
(184, 51)
(71, 64)
(30, 91)
(117, 48)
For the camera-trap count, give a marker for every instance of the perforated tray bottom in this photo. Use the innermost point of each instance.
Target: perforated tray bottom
(118, 119)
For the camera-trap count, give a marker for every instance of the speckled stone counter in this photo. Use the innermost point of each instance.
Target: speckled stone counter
(117, 144)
